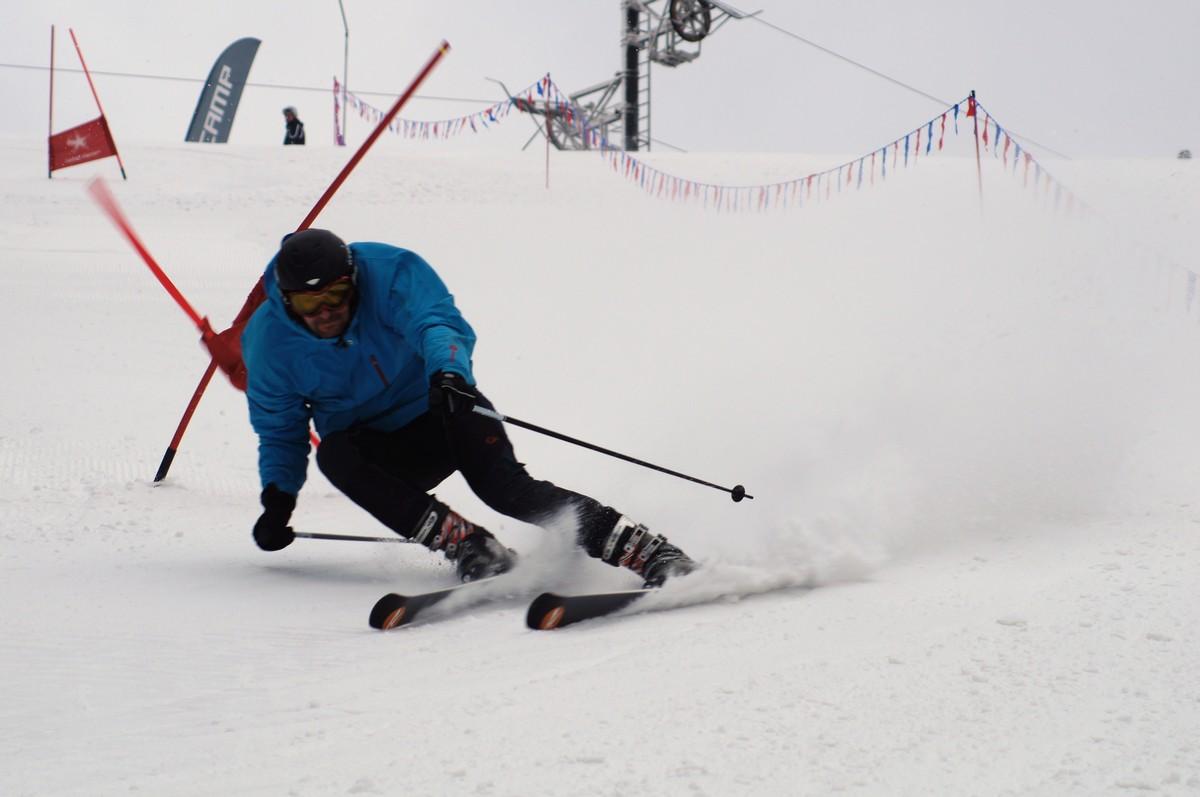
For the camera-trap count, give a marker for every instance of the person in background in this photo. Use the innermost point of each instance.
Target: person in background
(295, 128)
(366, 342)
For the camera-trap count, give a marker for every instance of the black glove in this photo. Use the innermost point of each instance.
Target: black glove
(450, 396)
(272, 532)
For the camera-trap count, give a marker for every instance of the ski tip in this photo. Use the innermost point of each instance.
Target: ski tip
(388, 612)
(545, 612)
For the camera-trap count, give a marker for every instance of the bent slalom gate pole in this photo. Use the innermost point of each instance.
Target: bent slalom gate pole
(443, 48)
(169, 456)
(737, 492)
(256, 295)
(108, 203)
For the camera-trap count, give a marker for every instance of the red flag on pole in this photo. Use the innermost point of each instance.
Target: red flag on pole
(88, 142)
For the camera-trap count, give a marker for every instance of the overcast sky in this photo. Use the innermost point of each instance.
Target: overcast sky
(1080, 77)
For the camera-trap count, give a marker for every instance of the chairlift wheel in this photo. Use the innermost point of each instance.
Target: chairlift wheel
(691, 19)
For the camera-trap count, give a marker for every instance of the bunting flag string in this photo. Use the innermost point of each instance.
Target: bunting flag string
(445, 128)
(788, 193)
(899, 153)
(1044, 185)
(1036, 177)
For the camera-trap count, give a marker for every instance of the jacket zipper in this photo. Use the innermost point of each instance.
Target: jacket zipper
(379, 370)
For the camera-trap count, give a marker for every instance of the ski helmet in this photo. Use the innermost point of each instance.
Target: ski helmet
(311, 259)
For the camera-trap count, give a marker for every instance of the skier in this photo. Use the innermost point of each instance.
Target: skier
(367, 342)
(295, 128)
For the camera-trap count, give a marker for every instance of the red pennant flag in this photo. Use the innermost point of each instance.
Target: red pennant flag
(970, 106)
(88, 142)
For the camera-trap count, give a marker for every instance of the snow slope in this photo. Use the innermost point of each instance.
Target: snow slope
(970, 566)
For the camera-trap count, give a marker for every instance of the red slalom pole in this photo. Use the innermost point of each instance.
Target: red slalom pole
(257, 294)
(108, 203)
(99, 107)
(442, 49)
(169, 456)
(104, 198)
(50, 134)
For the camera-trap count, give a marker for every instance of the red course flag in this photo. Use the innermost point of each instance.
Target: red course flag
(88, 142)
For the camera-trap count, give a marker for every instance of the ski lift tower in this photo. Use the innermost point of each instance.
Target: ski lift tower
(666, 32)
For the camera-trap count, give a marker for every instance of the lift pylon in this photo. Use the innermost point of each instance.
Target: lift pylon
(664, 32)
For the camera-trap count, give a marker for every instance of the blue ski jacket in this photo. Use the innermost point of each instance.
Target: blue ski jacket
(404, 329)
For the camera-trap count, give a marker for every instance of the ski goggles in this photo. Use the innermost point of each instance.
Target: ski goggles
(308, 303)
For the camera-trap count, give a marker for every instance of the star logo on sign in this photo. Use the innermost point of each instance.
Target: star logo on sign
(77, 142)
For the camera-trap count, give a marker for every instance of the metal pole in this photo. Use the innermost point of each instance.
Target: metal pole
(631, 77)
(345, 69)
(737, 492)
(313, 535)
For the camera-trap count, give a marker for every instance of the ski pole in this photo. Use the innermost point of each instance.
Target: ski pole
(737, 492)
(257, 295)
(313, 535)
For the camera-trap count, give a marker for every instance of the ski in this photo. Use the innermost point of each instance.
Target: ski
(549, 610)
(394, 610)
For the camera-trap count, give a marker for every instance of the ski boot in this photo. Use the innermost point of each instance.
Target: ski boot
(475, 551)
(649, 555)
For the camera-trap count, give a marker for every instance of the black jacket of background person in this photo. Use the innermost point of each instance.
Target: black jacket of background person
(295, 132)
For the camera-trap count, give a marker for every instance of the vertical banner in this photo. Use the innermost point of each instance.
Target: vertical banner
(213, 118)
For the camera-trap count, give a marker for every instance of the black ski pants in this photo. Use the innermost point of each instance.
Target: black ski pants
(390, 474)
